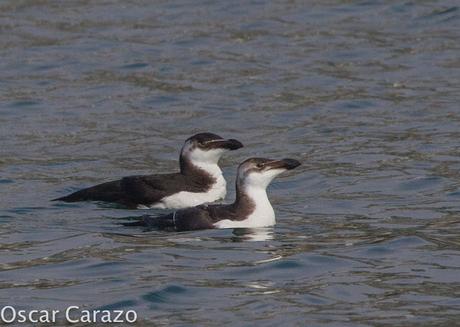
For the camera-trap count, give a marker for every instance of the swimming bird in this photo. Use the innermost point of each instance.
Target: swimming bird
(251, 208)
(200, 180)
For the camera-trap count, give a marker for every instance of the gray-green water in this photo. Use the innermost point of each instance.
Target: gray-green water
(365, 93)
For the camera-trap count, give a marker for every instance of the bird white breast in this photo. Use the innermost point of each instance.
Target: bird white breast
(191, 199)
(262, 216)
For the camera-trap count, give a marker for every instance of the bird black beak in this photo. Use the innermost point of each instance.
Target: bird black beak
(230, 144)
(283, 164)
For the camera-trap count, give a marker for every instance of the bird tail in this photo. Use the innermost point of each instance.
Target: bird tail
(74, 197)
(165, 222)
(109, 191)
(138, 223)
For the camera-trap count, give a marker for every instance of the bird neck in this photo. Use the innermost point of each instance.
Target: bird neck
(200, 169)
(254, 197)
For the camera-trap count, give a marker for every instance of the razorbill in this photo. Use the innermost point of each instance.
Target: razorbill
(251, 208)
(199, 181)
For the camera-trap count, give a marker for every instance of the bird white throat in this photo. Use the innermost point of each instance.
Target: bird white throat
(255, 187)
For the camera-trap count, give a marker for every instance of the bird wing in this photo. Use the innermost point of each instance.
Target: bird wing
(181, 220)
(193, 218)
(149, 189)
(109, 192)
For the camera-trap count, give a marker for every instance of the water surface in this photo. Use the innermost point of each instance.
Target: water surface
(364, 93)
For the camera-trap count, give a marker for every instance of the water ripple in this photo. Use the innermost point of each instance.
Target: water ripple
(364, 93)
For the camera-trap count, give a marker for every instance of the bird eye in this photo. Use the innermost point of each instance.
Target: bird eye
(260, 165)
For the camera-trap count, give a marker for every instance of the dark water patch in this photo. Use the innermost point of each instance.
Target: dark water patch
(378, 251)
(451, 11)
(6, 219)
(45, 67)
(138, 79)
(362, 104)
(169, 294)
(61, 204)
(407, 241)
(438, 17)
(393, 247)
(138, 65)
(287, 264)
(454, 194)
(24, 104)
(420, 183)
(24, 210)
(315, 300)
(119, 305)
(402, 7)
(106, 265)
